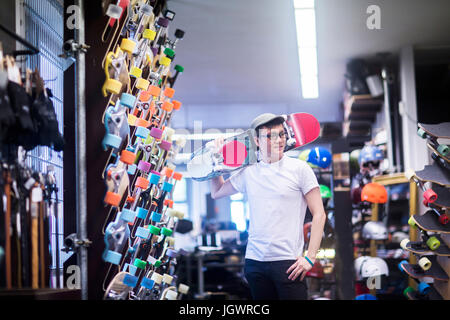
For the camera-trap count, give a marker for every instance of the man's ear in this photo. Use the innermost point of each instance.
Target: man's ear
(256, 141)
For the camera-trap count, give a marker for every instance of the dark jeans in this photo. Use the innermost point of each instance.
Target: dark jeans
(269, 281)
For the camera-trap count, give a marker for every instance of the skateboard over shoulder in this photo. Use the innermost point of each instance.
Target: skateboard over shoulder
(240, 150)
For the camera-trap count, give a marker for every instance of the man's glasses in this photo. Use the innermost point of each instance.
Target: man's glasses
(274, 135)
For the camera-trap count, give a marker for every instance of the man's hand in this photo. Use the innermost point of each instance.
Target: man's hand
(299, 268)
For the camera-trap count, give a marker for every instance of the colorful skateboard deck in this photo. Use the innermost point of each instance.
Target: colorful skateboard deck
(431, 295)
(240, 150)
(429, 222)
(436, 272)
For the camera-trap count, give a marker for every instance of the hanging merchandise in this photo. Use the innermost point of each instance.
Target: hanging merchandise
(27, 120)
(140, 174)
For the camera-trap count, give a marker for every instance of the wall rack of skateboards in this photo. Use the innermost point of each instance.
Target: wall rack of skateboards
(427, 243)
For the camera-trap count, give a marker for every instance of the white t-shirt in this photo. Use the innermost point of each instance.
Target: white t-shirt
(277, 205)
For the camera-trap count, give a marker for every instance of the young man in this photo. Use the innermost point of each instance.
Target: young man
(278, 189)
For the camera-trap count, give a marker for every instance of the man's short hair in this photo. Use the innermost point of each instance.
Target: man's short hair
(269, 125)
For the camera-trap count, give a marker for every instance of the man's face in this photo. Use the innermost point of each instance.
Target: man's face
(272, 141)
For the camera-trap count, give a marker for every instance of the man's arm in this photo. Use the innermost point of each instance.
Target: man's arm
(315, 205)
(221, 188)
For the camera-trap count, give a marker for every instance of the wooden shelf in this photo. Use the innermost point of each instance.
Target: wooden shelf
(361, 107)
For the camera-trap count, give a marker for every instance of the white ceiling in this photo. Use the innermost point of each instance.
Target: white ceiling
(240, 56)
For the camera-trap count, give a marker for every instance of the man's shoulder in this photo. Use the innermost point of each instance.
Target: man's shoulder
(296, 163)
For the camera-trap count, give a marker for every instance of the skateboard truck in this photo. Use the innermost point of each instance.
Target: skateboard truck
(72, 243)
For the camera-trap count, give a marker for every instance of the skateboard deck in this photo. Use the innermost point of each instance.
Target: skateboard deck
(433, 149)
(240, 150)
(418, 247)
(432, 132)
(436, 272)
(440, 130)
(429, 222)
(434, 173)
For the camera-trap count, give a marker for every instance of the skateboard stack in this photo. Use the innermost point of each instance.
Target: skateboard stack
(431, 250)
(140, 175)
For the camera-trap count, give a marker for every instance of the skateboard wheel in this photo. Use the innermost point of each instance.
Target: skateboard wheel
(144, 166)
(168, 171)
(147, 283)
(167, 278)
(142, 123)
(157, 278)
(443, 219)
(142, 183)
(154, 90)
(132, 169)
(403, 243)
(443, 149)
(127, 45)
(407, 291)
(411, 222)
(421, 133)
(131, 119)
(425, 263)
(149, 34)
(163, 22)
(127, 100)
(166, 232)
(168, 203)
(113, 86)
(167, 187)
(179, 68)
(111, 140)
(154, 178)
(112, 199)
(433, 243)
(409, 174)
(156, 133)
(177, 176)
(176, 104)
(141, 264)
(169, 92)
(141, 213)
(136, 72)
(142, 84)
(169, 53)
(132, 269)
(430, 196)
(183, 289)
(127, 215)
(113, 257)
(130, 281)
(156, 217)
(180, 214)
(423, 288)
(167, 106)
(142, 132)
(170, 241)
(171, 295)
(143, 233)
(154, 230)
(164, 61)
(114, 11)
(127, 157)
